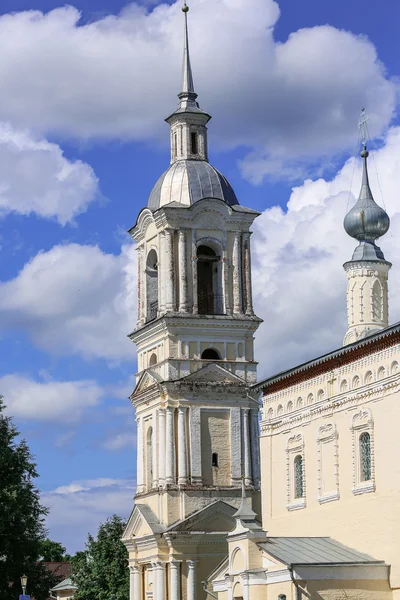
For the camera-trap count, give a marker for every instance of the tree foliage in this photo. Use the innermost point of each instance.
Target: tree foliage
(53, 551)
(101, 571)
(22, 528)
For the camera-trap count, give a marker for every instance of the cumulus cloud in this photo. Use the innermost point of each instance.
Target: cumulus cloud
(120, 441)
(299, 282)
(117, 75)
(50, 400)
(37, 178)
(75, 299)
(83, 505)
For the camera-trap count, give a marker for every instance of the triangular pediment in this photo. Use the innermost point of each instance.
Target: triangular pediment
(142, 522)
(216, 517)
(213, 373)
(147, 380)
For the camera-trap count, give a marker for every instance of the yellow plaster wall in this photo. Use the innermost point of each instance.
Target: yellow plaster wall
(349, 590)
(368, 522)
(215, 426)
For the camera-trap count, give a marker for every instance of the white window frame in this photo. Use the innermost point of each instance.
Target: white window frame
(294, 447)
(327, 434)
(362, 422)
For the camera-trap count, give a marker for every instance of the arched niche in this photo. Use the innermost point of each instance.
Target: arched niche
(209, 279)
(151, 285)
(210, 354)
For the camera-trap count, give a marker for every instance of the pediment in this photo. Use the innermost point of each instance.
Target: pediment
(147, 380)
(213, 373)
(142, 522)
(216, 517)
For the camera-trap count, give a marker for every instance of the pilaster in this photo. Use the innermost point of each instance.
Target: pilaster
(237, 274)
(246, 447)
(182, 447)
(169, 273)
(175, 580)
(140, 456)
(183, 272)
(170, 447)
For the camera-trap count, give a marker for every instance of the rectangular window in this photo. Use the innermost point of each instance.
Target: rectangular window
(193, 141)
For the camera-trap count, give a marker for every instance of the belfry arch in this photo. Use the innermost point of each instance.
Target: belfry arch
(151, 285)
(209, 280)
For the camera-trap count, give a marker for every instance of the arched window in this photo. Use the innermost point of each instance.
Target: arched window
(298, 477)
(320, 395)
(270, 414)
(208, 281)
(299, 403)
(344, 386)
(365, 456)
(310, 399)
(368, 377)
(381, 372)
(214, 459)
(394, 368)
(194, 146)
(356, 382)
(282, 597)
(280, 410)
(149, 458)
(152, 285)
(210, 354)
(153, 359)
(290, 406)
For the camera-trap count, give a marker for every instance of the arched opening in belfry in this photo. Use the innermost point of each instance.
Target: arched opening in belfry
(151, 285)
(210, 299)
(153, 360)
(210, 354)
(149, 458)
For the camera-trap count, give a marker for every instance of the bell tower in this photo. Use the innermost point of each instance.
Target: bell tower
(197, 417)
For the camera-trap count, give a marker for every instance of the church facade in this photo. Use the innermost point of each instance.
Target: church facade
(314, 514)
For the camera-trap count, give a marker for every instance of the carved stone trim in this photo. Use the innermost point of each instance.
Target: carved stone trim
(362, 421)
(294, 447)
(327, 434)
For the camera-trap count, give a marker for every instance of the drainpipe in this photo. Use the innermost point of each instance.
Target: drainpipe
(204, 586)
(299, 589)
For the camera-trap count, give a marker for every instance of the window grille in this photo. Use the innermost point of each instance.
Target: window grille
(298, 477)
(365, 456)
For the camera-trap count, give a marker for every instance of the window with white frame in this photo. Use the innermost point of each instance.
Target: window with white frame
(295, 473)
(328, 463)
(362, 426)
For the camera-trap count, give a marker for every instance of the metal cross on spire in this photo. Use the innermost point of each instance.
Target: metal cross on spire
(362, 124)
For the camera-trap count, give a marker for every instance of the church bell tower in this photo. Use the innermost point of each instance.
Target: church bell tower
(197, 417)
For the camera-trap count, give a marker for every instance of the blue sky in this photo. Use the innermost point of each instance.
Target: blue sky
(82, 141)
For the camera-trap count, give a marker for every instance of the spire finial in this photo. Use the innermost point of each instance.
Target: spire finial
(187, 76)
(362, 124)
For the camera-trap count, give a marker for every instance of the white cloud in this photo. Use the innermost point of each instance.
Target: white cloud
(79, 507)
(75, 299)
(48, 401)
(120, 441)
(35, 177)
(118, 75)
(299, 282)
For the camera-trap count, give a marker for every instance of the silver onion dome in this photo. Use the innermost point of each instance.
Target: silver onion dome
(366, 221)
(187, 182)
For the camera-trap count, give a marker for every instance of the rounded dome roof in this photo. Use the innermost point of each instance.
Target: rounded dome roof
(187, 182)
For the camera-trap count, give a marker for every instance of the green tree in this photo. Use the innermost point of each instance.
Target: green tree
(22, 528)
(101, 571)
(53, 551)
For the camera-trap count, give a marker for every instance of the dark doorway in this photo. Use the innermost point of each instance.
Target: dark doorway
(210, 354)
(208, 281)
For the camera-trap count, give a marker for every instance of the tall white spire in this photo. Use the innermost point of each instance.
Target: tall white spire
(187, 75)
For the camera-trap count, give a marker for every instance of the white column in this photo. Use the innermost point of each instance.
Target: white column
(195, 445)
(255, 447)
(183, 272)
(170, 447)
(237, 274)
(169, 270)
(174, 581)
(161, 447)
(154, 463)
(225, 275)
(182, 447)
(160, 579)
(236, 447)
(140, 456)
(246, 448)
(194, 276)
(191, 580)
(247, 274)
(161, 272)
(135, 579)
(140, 288)
(245, 584)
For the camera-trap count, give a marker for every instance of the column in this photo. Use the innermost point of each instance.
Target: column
(246, 448)
(170, 447)
(160, 582)
(237, 275)
(183, 272)
(247, 274)
(140, 289)
(225, 276)
(161, 447)
(236, 449)
(194, 276)
(182, 447)
(135, 579)
(154, 460)
(245, 584)
(174, 581)
(191, 580)
(140, 456)
(255, 447)
(195, 445)
(169, 272)
(161, 272)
